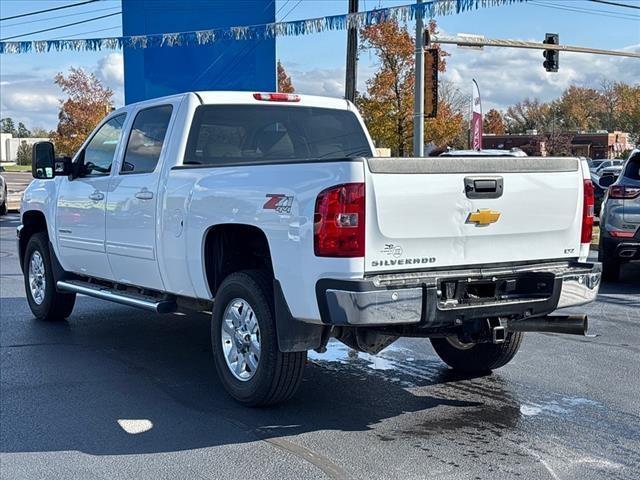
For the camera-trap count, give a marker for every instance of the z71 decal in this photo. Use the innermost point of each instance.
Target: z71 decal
(279, 202)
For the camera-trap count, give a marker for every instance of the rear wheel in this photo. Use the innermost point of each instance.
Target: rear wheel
(245, 348)
(477, 357)
(45, 301)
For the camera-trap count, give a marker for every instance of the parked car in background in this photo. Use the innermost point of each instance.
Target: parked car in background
(514, 152)
(613, 170)
(620, 218)
(598, 193)
(3, 195)
(595, 163)
(606, 164)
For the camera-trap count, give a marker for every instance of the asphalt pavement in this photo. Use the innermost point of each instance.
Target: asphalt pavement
(118, 393)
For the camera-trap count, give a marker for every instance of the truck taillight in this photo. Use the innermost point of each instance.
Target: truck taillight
(587, 212)
(277, 97)
(622, 192)
(339, 221)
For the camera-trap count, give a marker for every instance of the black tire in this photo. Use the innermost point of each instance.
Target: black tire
(3, 207)
(480, 357)
(55, 306)
(278, 374)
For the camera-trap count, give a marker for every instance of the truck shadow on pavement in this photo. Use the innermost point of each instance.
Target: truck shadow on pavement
(91, 383)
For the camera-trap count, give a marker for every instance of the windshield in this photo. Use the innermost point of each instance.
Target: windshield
(237, 134)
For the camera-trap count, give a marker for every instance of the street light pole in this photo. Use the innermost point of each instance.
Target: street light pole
(418, 96)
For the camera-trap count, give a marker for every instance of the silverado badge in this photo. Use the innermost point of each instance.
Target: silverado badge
(483, 217)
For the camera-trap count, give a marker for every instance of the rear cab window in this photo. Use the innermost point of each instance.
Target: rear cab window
(245, 134)
(146, 140)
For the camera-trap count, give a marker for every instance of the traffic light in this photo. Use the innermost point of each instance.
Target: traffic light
(552, 57)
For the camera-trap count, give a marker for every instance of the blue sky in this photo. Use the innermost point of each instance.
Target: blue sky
(316, 62)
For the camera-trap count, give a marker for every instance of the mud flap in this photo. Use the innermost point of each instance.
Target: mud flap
(293, 334)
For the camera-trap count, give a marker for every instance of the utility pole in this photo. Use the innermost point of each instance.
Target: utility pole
(418, 96)
(352, 57)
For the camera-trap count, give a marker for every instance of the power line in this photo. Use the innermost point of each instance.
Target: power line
(66, 15)
(598, 10)
(250, 48)
(64, 37)
(616, 4)
(61, 26)
(48, 10)
(586, 11)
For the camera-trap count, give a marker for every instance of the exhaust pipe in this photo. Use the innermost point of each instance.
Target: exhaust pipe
(627, 253)
(567, 324)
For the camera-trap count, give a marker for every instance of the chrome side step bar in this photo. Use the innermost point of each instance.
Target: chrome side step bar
(125, 298)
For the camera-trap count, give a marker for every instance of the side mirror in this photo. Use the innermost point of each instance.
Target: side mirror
(42, 159)
(607, 181)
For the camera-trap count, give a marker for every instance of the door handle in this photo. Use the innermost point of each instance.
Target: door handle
(144, 194)
(97, 196)
(483, 187)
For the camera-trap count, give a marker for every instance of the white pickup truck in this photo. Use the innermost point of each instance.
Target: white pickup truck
(272, 212)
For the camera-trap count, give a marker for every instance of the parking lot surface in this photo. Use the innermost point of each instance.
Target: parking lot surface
(119, 393)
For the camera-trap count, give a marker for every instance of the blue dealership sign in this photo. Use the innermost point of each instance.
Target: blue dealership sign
(222, 65)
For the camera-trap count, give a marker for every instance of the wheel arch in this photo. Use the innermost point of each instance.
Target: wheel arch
(231, 247)
(33, 221)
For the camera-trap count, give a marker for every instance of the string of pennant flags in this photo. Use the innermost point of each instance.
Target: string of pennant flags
(403, 13)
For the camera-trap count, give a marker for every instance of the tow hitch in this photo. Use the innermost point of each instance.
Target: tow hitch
(497, 329)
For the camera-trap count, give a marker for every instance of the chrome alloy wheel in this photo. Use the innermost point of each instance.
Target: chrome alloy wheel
(454, 341)
(240, 336)
(37, 279)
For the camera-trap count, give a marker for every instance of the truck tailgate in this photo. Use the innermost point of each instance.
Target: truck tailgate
(446, 212)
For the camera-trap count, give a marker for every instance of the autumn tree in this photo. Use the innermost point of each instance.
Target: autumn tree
(87, 103)
(580, 108)
(387, 105)
(528, 115)
(493, 122)
(449, 128)
(558, 144)
(284, 80)
(627, 109)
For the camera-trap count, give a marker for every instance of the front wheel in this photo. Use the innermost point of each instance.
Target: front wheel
(45, 301)
(245, 348)
(3, 207)
(477, 357)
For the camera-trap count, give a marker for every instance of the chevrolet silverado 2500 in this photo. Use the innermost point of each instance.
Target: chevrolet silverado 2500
(272, 212)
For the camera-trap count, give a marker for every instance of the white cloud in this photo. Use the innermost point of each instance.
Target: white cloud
(506, 76)
(328, 82)
(30, 102)
(111, 69)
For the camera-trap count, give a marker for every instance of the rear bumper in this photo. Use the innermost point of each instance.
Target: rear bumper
(416, 298)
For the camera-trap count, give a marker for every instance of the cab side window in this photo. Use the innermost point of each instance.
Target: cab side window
(146, 140)
(99, 152)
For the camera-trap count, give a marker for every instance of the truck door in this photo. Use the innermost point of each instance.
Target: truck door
(132, 202)
(80, 213)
